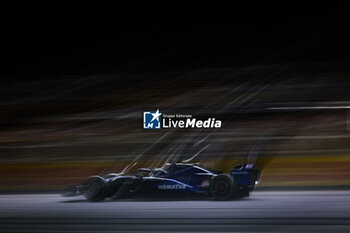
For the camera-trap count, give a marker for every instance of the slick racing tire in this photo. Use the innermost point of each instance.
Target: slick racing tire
(222, 187)
(96, 188)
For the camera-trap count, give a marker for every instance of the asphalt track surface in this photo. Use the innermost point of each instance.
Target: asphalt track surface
(264, 211)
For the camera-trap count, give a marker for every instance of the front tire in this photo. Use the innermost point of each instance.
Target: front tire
(222, 187)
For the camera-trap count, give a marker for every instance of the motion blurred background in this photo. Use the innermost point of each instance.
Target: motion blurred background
(77, 76)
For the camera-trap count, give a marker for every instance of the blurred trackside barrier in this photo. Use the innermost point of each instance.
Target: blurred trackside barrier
(277, 172)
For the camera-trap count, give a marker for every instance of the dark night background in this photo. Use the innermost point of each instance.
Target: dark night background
(75, 77)
(54, 37)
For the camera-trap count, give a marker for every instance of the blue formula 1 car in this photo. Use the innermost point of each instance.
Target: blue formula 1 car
(173, 180)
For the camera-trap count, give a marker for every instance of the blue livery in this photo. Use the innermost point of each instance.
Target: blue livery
(173, 179)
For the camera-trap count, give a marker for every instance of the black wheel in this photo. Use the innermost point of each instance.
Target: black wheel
(96, 189)
(222, 187)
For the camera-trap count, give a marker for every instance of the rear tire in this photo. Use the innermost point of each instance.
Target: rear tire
(96, 189)
(222, 187)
